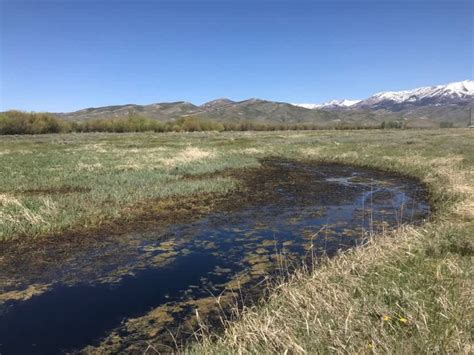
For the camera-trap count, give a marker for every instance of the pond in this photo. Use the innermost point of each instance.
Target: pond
(149, 287)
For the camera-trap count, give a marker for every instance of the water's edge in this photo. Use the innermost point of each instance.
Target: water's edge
(138, 288)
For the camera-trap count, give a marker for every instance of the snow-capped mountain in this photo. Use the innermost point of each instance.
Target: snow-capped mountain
(423, 107)
(308, 106)
(330, 104)
(453, 93)
(461, 92)
(340, 103)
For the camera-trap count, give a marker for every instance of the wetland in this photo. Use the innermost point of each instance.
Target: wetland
(181, 262)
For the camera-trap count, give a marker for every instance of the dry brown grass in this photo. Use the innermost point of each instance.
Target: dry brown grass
(361, 301)
(188, 155)
(14, 211)
(407, 291)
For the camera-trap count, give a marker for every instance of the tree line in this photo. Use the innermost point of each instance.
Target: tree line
(18, 122)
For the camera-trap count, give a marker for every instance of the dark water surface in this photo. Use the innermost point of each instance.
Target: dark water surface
(313, 209)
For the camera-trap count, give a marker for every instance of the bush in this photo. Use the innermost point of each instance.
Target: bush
(193, 124)
(18, 122)
(392, 124)
(445, 124)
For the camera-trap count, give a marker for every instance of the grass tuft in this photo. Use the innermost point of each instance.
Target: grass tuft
(409, 291)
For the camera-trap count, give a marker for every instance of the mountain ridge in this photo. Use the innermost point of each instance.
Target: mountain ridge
(424, 107)
(460, 92)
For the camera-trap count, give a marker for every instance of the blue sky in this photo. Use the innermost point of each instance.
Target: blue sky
(71, 54)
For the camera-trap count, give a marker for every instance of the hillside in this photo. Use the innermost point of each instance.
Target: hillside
(421, 107)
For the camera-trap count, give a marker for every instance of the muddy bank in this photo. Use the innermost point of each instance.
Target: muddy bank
(24, 262)
(131, 282)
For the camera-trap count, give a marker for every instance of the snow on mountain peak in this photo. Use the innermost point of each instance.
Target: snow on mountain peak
(342, 103)
(457, 89)
(429, 95)
(332, 104)
(308, 106)
(466, 86)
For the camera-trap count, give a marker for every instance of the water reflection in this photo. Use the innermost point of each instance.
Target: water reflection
(156, 280)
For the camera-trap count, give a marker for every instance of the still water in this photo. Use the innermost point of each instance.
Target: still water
(143, 287)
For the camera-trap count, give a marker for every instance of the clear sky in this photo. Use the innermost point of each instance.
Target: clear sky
(71, 54)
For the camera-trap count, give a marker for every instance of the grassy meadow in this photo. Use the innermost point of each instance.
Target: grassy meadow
(407, 291)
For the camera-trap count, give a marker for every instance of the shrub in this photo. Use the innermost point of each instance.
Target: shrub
(392, 124)
(18, 122)
(445, 124)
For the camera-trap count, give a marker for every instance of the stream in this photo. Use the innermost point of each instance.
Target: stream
(139, 288)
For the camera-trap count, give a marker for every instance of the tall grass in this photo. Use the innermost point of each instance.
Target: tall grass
(404, 292)
(408, 292)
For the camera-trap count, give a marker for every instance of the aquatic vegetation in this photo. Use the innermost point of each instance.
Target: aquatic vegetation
(109, 217)
(191, 258)
(404, 291)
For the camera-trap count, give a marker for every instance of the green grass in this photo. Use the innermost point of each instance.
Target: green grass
(119, 170)
(408, 291)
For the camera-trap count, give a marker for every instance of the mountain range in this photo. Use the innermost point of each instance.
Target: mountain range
(421, 107)
(461, 92)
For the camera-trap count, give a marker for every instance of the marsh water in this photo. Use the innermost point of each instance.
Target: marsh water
(154, 286)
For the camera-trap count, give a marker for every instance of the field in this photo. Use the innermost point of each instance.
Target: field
(407, 291)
